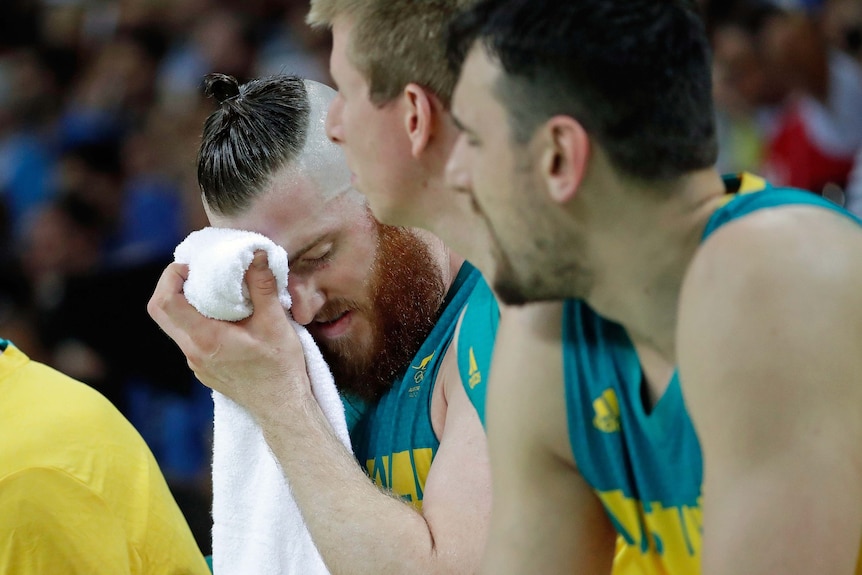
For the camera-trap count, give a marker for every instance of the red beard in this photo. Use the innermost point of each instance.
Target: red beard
(407, 290)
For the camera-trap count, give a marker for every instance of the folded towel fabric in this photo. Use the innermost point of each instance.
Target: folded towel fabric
(257, 526)
(217, 260)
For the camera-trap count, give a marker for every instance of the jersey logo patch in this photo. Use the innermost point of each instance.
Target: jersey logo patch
(607, 410)
(420, 369)
(475, 374)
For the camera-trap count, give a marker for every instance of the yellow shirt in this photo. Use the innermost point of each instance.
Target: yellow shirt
(80, 491)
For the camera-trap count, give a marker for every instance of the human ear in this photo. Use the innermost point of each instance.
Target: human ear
(418, 117)
(564, 159)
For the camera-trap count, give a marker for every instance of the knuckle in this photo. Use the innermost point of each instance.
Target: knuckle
(156, 304)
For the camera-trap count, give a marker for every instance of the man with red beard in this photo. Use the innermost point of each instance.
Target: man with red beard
(383, 305)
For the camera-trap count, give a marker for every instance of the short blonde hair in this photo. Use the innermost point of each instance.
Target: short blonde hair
(396, 42)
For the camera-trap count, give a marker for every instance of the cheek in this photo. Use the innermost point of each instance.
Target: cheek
(346, 116)
(355, 118)
(353, 283)
(488, 173)
(499, 189)
(351, 279)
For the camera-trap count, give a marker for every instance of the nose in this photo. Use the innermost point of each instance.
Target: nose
(457, 170)
(306, 299)
(334, 129)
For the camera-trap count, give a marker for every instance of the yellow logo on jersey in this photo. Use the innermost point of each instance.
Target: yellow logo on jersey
(607, 410)
(658, 539)
(420, 369)
(748, 183)
(404, 473)
(475, 374)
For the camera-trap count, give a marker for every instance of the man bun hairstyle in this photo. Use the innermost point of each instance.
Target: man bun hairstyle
(258, 128)
(221, 87)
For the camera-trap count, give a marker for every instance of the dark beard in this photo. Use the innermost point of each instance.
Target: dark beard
(406, 294)
(505, 282)
(505, 285)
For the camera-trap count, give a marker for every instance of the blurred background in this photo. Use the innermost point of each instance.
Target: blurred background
(100, 117)
(101, 113)
(788, 88)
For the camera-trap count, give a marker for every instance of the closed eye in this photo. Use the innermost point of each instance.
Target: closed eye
(318, 261)
(314, 255)
(309, 263)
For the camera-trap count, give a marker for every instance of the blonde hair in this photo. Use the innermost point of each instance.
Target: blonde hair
(396, 42)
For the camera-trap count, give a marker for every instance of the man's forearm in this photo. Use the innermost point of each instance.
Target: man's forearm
(357, 527)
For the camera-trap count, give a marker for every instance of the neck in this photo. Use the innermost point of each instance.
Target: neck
(644, 249)
(447, 213)
(448, 262)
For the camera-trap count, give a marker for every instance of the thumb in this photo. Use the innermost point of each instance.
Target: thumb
(262, 287)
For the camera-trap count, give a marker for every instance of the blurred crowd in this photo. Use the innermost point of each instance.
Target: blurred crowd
(101, 110)
(788, 88)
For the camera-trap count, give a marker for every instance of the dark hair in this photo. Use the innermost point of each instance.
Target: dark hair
(635, 73)
(258, 128)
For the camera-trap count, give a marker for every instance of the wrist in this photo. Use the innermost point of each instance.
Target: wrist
(290, 403)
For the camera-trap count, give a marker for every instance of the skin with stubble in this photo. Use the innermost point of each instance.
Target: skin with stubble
(400, 319)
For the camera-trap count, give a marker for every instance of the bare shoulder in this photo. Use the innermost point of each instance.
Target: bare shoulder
(776, 268)
(802, 242)
(527, 388)
(770, 316)
(546, 518)
(769, 334)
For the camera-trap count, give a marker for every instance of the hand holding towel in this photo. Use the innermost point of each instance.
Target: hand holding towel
(257, 526)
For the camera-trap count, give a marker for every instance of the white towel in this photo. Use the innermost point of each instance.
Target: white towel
(257, 527)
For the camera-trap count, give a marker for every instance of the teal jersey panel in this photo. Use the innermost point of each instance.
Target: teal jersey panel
(394, 439)
(476, 344)
(749, 193)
